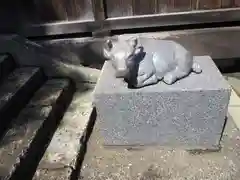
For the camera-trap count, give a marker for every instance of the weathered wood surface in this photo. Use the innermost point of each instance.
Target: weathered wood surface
(98, 9)
(61, 10)
(54, 17)
(132, 22)
(236, 3)
(219, 43)
(118, 8)
(141, 7)
(121, 8)
(46, 11)
(208, 4)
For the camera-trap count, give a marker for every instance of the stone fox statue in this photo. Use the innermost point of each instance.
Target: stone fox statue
(143, 62)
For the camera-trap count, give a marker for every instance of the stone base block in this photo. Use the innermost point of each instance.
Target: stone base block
(189, 113)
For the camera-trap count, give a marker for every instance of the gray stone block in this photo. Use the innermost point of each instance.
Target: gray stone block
(190, 113)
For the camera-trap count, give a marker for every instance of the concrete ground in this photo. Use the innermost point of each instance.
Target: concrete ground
(159, 163)
(162, 163)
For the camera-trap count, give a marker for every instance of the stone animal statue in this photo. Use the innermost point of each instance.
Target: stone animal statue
(143, 62)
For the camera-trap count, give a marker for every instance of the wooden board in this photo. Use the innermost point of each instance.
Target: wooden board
(219, 43)
(164, 6)
(119, 8)
(227, 4)
(183, 5)
(46, 11)
(50, 10)
(207, 4)
(98, 9)
(141, 7)
(236, 3)
(79, 10)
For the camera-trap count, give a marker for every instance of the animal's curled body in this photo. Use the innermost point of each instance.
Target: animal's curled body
(148, 61)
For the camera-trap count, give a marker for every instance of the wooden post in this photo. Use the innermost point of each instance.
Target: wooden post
(99, 16)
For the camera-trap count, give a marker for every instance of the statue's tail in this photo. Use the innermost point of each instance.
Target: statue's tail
(196, 68)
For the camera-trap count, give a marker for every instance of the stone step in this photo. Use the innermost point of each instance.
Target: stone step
(25, 142)
(16, 91)
(7, 65)
(66, 150)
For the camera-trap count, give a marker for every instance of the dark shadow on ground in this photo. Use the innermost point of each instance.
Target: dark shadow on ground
(84, 141)
(231, 65)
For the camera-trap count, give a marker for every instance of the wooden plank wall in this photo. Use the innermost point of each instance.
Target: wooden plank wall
(118, 8)
(62, 10)
(70, 16)
(46, 11)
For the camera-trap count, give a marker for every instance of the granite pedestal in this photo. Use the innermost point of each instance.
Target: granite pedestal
(190, 113)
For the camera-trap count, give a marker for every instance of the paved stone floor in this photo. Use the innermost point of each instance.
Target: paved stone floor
(156, 163)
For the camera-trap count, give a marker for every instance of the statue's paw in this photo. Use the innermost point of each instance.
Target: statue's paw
(154, 79)
(169, 79)
(196, 68)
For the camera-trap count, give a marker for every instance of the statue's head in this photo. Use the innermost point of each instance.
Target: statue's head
(122, 54)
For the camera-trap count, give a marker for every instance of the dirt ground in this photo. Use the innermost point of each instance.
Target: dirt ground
(161, 163)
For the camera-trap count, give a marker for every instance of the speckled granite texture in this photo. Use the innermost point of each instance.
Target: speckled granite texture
(190, 113)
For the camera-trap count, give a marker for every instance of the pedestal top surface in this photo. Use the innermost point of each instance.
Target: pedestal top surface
(209, 79)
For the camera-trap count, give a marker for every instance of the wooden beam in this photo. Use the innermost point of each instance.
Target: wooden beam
(98, 10)
(219, 43)
(99, 16)
(222, 44)
(174, 19)
(130, 22)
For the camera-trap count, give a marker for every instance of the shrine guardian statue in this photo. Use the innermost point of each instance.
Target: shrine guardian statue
(143, 62)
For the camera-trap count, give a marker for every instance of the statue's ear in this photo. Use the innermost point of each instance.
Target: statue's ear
(133, 42)
(109, 45)
(107, 49)
(138, 50)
